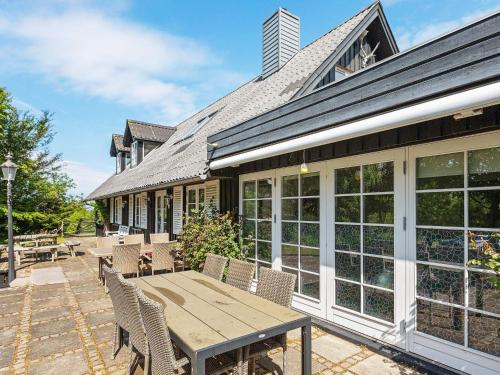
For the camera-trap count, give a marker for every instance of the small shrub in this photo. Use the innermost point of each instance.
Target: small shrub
(209, 231)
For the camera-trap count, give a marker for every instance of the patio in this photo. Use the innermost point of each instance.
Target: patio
(69, 325)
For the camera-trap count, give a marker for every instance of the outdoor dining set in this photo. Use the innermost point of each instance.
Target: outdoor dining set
(183, 321)
(41, 244)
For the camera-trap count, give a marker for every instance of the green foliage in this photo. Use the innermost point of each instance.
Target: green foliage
(209, 231)
(41, 190)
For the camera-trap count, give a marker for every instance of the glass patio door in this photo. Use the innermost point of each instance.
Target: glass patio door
(367, 244)
(161, 206)
(456, 201)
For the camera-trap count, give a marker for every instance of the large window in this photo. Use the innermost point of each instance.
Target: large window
(300, 230)
(364, 239)
(195, 198)
(257, 225)
(458, 220)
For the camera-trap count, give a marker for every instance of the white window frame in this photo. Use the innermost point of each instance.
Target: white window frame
(161, 211)
(197, 189)
(133, 154)
(118, 162)
(118, 210)
(137, 210)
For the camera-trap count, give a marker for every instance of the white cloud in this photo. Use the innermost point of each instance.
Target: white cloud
(84, 176)
(101, 54)
(422, 33)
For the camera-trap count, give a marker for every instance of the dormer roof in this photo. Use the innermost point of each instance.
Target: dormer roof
(117, 145)
(144, 131)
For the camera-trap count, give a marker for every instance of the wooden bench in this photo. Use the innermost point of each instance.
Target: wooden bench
(71, 244)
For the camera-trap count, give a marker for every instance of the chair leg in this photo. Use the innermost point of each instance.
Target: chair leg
(130, 357)
(285, 350)
(146, 364)
(117, 333)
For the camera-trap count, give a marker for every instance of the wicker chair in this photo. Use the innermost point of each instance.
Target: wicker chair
(214, 266)
(278, 287)
(164, 361)
(137, 334)
(135, 238)
(106, 242)
(240, 274)
(117, 299)
(126, 258)
(159, 238)
(163, 257)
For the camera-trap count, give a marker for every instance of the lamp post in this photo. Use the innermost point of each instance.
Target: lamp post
(9, 170)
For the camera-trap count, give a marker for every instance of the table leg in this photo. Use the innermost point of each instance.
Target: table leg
(306, 349)
(100, 269)
(197, 365)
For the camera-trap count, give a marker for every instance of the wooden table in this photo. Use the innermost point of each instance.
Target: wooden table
(207, 317)
(36, 238)
(52, 249)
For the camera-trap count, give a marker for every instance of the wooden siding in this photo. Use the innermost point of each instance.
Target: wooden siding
(428, 131)
(465, 58)
(228, 191)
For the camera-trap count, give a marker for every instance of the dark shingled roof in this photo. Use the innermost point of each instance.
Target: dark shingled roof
(117, 145)
(146, 132)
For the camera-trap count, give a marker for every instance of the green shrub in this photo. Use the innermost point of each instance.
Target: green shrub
(209, 231)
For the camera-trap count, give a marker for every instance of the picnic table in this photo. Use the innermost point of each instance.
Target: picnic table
(103, 253)
(36, 238)
(207, 317)
(50, 249)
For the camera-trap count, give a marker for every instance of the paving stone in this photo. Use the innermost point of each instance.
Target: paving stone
(85, 297)
(9, 320)
(52, 327)
(6, 354)
(96, 318)
(380, 365)
(60, 344)
(11, 298)
(41, 292)
(48, 302)
(11, 308)
(8, 335)
(72, 363)
(120, 359)
(11, 291)
(100, 304)
(103, 334)
(294, 362)
(52, 313)
(334, 348)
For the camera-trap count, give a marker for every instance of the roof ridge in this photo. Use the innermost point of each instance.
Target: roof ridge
(150, 124)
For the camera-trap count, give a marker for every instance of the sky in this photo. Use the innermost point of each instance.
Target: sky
(93, 64)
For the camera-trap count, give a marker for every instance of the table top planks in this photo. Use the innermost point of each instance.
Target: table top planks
(204, 312)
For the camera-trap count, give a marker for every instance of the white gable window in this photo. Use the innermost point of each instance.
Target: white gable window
(133, 154)
(118, 162)
(196, 127)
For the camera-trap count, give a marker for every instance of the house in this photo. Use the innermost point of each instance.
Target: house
(371, 174)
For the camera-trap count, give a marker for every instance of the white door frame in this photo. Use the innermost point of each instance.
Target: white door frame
(160, 194)
(455, 355)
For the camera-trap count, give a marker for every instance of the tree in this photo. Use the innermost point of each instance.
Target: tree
(41, 190)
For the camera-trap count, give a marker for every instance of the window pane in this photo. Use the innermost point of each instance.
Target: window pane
(294, 272)
(378, 240)
(440, 284)
(290, 209)
(379, 304)
(347, 209)
(484, 167)
(348, 295)
(249, 209)
(440, 171)
(440, 209)
(290, 186)
(249, 190)
(310, 209)
(347, 266)
(309, 234)
(264, 188)
(192, 196)
(481, 243)
(309, 285)
(347, 180)
(482, 292)
(441, 321)
(379, 209)
(264, 231)
(483, 333)
(378, 272)
(248, 228)
(264, 209)
(378, 177)
(310, 184)
(309, 259)
(250, 249)
(290, 256)
(484, 209)
(440, 246)
(201, 197)
(347, 237)
(264, 251)
(290, 232)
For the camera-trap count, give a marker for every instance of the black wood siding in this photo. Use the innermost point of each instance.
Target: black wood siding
(466, 58)
(229, 193)
(428, 131)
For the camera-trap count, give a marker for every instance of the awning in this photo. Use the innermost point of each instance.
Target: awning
(483, 96)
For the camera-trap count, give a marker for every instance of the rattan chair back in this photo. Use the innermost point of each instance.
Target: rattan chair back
(107, 242)
(159, 237)
(276, 286)
(158, 336)
(136, 331)
(214, 266)
(126, 258)
(163, 256)
(133, 239)
(116, 293)
(240, 274)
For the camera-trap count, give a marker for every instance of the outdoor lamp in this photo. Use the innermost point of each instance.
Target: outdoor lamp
(303, 167)
(9, 169)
